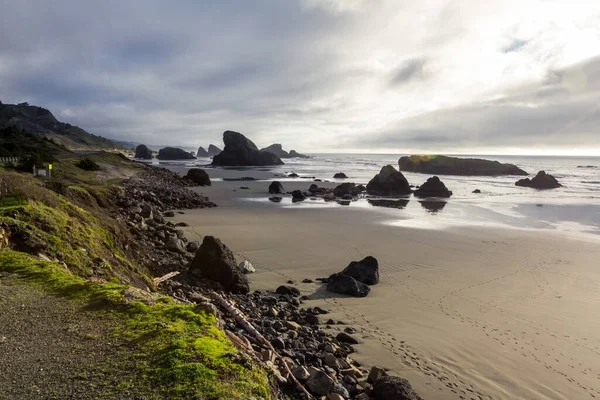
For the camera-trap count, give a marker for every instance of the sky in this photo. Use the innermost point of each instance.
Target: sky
(413, 76)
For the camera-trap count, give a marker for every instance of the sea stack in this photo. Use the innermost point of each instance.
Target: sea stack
(241, 151)
(444, 165)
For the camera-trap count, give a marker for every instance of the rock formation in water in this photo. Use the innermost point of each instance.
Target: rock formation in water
(389, 182)
(142, 152)
(174, 153)
(434, 187)
(213, 150)
(241, 151)
(444, 165)
(541, 181)
(201, 152)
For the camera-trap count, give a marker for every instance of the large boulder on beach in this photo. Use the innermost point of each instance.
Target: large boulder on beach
(348, 188)
(276, 187)
(174, 153)
(201, 152)
(393, 387)
(142, 152)
(434, 187)
(297, 195)
(241, 151)
(365, 270)
(388, 182)
(541, 181)
(214, 261)
(444, 165)
(213, 150)
(345, 284)
(198, 176)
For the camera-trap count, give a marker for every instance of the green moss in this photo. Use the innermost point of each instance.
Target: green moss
(179, 352)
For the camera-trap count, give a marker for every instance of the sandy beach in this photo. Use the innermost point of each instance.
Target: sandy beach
(462, 313)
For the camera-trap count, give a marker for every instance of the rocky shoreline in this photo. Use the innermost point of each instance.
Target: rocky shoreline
(320, 362)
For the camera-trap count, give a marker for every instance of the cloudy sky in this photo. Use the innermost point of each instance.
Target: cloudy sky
(516, 76)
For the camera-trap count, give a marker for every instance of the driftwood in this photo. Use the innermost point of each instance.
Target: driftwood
(165, 277)
(241, 319)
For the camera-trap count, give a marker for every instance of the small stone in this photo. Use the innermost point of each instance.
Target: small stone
(267, 355)
(375, 374)
(300, 373)
(273, 312)
(312, 319)
(278, 325)
(343, 337)
(320, 383)
(288, 290)
(247, 267)
(278, 343)
(334, 396)
(331, 361)
(331, 348)
(293, 326)
(363, 396)
(192, 247)
(350, 330)
(307, 281)
(341, 390)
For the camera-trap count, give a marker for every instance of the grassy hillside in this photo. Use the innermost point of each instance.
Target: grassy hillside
(59, 236)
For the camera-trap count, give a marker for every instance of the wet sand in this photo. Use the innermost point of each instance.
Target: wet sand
(462, 313)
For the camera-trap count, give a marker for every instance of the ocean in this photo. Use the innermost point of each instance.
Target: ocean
(573, 208)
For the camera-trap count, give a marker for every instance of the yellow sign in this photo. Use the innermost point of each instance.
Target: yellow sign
(49, 166)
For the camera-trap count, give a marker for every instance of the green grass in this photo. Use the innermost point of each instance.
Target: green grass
(179, 352)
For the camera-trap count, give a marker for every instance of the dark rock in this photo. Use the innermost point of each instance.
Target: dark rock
(182, 224)
(341, 390)
(201, 152)
(348, 188)
(477, 191)
(320, 383)
(343, 337)
(376, 374)
(244, 187)
(213, 150)
(365, 270)
(444, 165)
(293, 175)
(240, 151)
(169, 214)
(344, 284)
(174, 153)
(277, 149)
(198, 176)
(295, 154)
(214, 261)
(142, 152)
(347, 197)
(393, 387)
(297, 195)
(175, 244)
(541, 181)
(192, 247)
(388, 182)
(278, 343)
(307, 281)
(313, 188)
(312, 319)
(275, 199)
(340, 175)
(387, 203)
(283, 289)
(434, 187)
(276, 187)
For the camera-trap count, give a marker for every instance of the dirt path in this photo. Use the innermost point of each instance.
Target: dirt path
(52, 348)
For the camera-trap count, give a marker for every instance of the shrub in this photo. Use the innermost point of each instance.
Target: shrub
(88, 165)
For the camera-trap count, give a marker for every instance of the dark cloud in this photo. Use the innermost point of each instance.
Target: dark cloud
(407, 71)
(515, 45)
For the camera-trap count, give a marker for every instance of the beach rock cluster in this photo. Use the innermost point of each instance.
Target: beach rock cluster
(145, 204)
(320, 359)
(541, 181)
(241, 151)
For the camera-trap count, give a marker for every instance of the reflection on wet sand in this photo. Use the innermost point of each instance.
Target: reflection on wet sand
(400, 203)
(433, 206)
